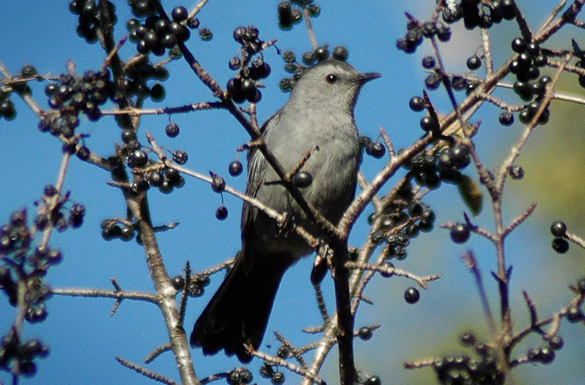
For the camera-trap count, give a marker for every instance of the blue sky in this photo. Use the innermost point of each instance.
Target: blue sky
(84, 338)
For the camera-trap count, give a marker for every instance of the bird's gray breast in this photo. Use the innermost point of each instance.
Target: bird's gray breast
(333, 145)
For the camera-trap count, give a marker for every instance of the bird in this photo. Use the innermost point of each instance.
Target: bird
(318, 119)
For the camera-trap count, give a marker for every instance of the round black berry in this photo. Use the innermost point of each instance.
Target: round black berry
(547, 355)
(340, 53)
(217, 183)
(375, 149)
(138, 158)
(467, 339)
(179, 14)
(172, 130)
(519, 45)
(411, 295)
(180, 157)
(433, 81)
(429, 123)
(416, 103)
(157, 92)
(322, 52)
(555, 342)
(178, 282)
(302, 179)
(460, 233)
(516, 172)
(474, 62)
(221, 213)
(558, 228)
(560, 245)
(506, 118)
(365, 333)
(235, 168)
(126, 233)
(428, 62)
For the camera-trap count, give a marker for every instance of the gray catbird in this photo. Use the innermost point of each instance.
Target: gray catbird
(319, 113)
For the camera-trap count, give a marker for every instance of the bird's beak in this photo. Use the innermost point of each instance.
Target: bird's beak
(363, 78)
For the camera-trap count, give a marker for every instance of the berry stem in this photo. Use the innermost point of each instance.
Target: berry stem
(312, 37)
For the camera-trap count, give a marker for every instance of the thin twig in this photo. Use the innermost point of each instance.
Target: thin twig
(145, 372)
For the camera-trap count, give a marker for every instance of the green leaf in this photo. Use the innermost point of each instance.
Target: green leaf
(471, 194)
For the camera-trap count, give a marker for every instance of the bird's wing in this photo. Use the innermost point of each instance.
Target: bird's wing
(257, 166)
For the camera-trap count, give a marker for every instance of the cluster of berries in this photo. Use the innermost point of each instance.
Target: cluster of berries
(476, 13)
(166, 180)
(430, 169)
(23, 266)
(251, 66)
(464, 370)
(545, 354)
(267, 371)
(7, 110)
(409, 219)
(60, 217)
(135, 156)
(239, 376)
(17, 357)
(89, 17)
(16, 238)
(416, 31)
(289, 15)
(559, 230)
(196, 286)
(158, 34)
(529, 84)
(112, 230)
(135, 83)
(72, 95)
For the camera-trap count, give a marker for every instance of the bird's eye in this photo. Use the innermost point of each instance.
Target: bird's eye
(331, 78)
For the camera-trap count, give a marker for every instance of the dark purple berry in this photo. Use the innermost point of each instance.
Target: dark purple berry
(506, 118)
(416, 103)
(302, 179)
(411, 295)
(365, 333)
(428, 62)
(221, 213)
(179, 14)
(235, 168)
(560, 245)
(178, 282)
(180, 157)
(375, 149)
(558, 229)
(428, 123)
(516, 172)
(340, 53)
(474, 63)
(519, 45)
(172, 130)
(460, 233)
(217, 183)
(555, 342)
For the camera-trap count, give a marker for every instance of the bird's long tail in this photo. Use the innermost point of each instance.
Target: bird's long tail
(239, 311)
